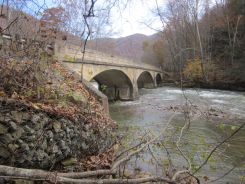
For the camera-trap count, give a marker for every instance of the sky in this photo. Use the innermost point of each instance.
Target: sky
(133, 19)
(130, 20)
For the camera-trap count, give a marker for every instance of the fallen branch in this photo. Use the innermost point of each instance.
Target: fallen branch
(131, 148)
(87, 174)
(132, 154)
(36, 174)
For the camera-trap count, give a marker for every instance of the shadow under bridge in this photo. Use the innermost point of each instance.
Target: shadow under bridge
(145, 80)
(115, 84)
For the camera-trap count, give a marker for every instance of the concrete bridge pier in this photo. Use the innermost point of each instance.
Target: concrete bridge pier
(135, 92)
(118, 93)
(125, 93)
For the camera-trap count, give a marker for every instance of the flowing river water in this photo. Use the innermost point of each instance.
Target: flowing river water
(213, 115)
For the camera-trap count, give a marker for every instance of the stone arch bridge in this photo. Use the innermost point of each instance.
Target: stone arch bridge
(117, 77)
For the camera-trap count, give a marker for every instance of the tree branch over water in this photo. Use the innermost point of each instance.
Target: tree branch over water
(217, 146)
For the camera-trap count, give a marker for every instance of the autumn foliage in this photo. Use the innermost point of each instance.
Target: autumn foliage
(53, 20)
(193, 70)
(206, 45)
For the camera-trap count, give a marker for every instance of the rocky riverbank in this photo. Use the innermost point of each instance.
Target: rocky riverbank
(60, 125)
(40, 139)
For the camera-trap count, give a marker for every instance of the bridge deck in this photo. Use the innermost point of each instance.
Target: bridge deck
(117, 65)
(72, 53)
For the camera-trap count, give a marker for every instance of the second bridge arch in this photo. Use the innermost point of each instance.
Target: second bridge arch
(145, 80)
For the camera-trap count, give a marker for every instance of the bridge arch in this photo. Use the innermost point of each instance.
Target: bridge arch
(115, 84)
(145, 80)
(158, 79)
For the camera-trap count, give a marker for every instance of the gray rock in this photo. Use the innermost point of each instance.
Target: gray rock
(31, 145)
(6, 139)
(68, 130)
(44, 144)
(50, 141)
(26, 116)
(13, 147)
(39, 126)
(84, 146)
(71, 135)
(28, 129)
(59, 155)
(68, 136)
(30, 138)
(62, 144)
(74, 141)
(3, 129)
(62, 134)
(76, 131)
(45, 119)
(25, 147)
(4, 153)
(35, 118)
(50, 134)
(87, 127)
(21, 160)
(70, 124)
(67, 151)
(7, 117)
(57, 126)
(17, 134)
(2, 118)
(40, 155)
(55, 149)
(63, 121)
(16, 116)
(12, 126)
(20, 141)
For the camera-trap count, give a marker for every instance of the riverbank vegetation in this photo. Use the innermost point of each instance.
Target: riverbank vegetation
(202, 42)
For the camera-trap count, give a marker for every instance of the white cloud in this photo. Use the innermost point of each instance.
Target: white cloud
(130, 20)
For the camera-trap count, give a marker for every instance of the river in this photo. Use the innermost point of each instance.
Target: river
(213, 115)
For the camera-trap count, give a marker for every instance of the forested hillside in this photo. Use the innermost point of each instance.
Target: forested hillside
(130, 46)
(204, 47)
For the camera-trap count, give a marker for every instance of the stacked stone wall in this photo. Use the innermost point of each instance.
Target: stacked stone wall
(34, 138)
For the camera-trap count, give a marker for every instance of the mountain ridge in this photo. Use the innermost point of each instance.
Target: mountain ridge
(129, 46)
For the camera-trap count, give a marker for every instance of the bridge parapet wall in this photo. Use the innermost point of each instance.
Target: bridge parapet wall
(73, 53)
